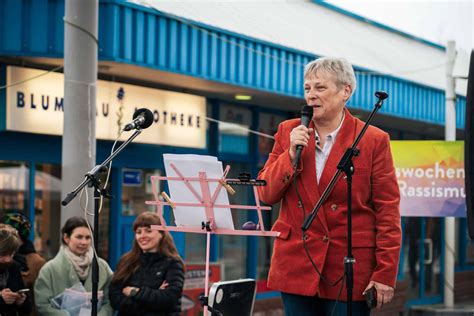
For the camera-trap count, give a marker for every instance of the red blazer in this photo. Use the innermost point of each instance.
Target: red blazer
(375, 214)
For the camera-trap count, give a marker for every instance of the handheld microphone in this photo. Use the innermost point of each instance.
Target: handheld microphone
(306, 116)
(142, 118)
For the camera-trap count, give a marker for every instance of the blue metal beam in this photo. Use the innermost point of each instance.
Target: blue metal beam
(137, 35)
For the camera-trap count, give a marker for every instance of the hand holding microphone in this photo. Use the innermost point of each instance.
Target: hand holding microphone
(300, 135)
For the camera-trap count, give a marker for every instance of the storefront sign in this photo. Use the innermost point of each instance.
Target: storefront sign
(132, 177)
(37, 106)
(430, 177)
(194, 286)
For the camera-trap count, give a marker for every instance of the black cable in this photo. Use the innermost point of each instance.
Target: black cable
(304, 236)
(338, 294)
(316, 268)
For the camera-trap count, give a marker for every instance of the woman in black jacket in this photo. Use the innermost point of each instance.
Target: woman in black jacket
(149, 278)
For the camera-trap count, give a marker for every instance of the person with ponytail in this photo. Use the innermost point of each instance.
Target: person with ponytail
(149, 278)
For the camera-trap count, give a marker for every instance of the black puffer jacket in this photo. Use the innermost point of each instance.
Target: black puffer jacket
(155, 268)
(14, 283)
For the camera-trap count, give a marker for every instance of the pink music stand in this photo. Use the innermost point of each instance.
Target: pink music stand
(208, 202)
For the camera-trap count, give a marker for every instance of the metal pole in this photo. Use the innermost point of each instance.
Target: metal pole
(450, 135)
(95, 261)
(80, 77)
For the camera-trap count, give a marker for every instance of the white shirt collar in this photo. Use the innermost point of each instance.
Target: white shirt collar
(333, 134)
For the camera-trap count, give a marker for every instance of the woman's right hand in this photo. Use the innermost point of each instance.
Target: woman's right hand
(128, 289)
(9, 297)
(299, 136)
(20, 299)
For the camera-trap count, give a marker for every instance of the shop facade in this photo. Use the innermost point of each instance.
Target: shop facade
(188, 74)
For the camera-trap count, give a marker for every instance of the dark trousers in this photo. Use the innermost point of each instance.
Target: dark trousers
(299, 305)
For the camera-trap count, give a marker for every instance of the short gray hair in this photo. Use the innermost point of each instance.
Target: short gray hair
(340, 67)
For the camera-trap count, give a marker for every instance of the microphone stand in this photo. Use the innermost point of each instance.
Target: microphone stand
(91, 180)
(346, 165)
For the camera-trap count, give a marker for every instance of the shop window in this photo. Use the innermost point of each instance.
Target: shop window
(14, 193)
(265, 244)
(422, 266)
(47, 223)
(469, 243)
(233, 138)
(136, 189)
(469, 250)
(268, 124)
(233, 249)
(195, 250)
(14, 187)
(104, 224)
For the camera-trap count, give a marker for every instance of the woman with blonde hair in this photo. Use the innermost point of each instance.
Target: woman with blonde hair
(149, 278)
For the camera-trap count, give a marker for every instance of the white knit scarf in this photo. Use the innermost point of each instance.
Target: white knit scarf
(81, 264)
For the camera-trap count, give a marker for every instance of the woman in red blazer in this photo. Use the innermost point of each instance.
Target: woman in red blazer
(328, 85)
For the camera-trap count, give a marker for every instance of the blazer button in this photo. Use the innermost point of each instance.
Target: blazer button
(286, 178)
(334, 207)
(325, 238)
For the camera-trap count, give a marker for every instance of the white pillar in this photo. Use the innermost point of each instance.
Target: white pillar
(80, 77)
(450, 135)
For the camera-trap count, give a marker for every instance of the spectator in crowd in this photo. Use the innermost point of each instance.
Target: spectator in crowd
(72, 265)
(13, 301)
(149, 279)
(27, 258)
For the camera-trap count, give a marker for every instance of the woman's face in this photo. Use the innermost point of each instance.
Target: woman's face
(327, 99)
(79, 241)
(148, 240)
(6, 260)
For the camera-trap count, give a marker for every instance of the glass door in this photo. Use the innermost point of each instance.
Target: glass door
(423, 261)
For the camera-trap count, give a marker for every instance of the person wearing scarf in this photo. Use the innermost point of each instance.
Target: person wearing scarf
(71, 265)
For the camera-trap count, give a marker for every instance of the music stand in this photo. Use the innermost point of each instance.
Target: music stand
(207, 201)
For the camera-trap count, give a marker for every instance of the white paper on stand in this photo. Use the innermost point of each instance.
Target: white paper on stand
(190, 166)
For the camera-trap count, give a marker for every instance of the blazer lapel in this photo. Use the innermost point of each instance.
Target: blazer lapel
(344, 139)
(308, 177)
